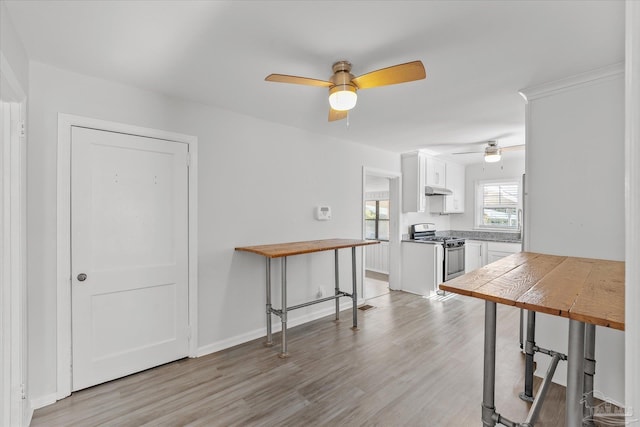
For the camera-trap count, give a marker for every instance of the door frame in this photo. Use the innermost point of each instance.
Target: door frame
(395, 236)
(13, 222)
(63, 279)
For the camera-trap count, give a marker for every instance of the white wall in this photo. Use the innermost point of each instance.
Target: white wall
(511, 167)
(575, 203)
(14, 84)
(632, 154)
(13, 50)
(259, 182)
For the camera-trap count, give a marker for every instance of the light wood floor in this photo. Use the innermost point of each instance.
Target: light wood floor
(414, 362)
(375, 284)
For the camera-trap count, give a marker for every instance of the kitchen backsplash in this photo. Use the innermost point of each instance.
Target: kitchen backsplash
(493, 236)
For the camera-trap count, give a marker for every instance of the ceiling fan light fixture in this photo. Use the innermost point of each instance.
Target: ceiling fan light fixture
(492, 156)
(343, 97)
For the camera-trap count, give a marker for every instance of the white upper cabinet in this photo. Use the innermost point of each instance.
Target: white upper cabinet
(455, 183)
(419, 170)
(413, 169)
(436, 172)
(454, 180)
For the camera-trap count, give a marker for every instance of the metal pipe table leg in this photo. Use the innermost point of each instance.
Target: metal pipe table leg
(489, 375)
(589, 372)
(527, 394)
(269, 342)
(283, 351)
(354, 291)
(542, 392)
(337, 287)
(575, 374)
(521, 329)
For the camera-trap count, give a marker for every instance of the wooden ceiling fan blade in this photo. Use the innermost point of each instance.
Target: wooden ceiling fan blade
(513, 148)
(400, 73)
(470, 152)
(284, 78)
(337, 115)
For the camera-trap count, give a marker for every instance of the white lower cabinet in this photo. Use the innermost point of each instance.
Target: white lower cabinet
(421, 267)
(475, 255)
(498, 250)
(479, 253)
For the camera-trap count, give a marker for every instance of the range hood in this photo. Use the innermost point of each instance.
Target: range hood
(437, 191)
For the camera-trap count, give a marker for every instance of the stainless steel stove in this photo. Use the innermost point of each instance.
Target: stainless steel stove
(453, 263)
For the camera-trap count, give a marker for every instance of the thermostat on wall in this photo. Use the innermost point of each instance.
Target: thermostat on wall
(323, 213)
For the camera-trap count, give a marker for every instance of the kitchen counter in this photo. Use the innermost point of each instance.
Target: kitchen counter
(428, 242)
(487, 236)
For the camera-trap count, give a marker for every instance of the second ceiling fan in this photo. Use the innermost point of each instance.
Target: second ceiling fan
(493, 152)
(343, 85)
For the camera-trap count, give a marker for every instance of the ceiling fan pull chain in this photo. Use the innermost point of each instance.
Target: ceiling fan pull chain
(347, 119)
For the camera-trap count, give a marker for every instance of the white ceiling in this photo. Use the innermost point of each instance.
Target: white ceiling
(477, 54)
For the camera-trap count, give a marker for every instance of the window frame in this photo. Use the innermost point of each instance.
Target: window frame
(479, 205)
(377, 219)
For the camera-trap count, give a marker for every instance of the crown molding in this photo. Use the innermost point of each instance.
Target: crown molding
(583, 79)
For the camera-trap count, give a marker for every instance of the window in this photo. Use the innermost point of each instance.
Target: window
(497, 205)
(376, 219)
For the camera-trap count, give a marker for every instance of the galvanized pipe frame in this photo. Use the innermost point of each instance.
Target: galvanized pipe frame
(283, 316)
(530, 350)
(489, 373)
(318, 301)
(269, 341)
(575, 374)
(581, 352)
(282, 312)
(584, 368)
(589, 372)
(527, 394)
(534, 411)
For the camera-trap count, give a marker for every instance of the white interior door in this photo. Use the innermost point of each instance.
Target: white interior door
(129, 237)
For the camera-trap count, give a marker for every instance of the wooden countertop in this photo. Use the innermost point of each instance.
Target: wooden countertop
(584, 289)
(297, 248)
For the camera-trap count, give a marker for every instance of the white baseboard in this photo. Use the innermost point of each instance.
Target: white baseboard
(42, 401)
(375, 270)
(258, 333)
(28, 416)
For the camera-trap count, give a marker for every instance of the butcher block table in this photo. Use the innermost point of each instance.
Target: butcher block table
(586, 291)
(284, 250)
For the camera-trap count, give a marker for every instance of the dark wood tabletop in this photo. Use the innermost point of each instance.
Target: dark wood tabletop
(584, 289)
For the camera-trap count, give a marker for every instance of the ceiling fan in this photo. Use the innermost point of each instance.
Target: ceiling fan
(343, 85)
(493, 152)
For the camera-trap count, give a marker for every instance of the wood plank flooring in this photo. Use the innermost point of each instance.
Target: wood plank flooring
(414, 362)
(375, 284)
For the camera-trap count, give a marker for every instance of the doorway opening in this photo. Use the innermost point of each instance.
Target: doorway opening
(377, 226)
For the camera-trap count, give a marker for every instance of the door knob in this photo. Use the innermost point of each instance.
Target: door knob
(82, 277)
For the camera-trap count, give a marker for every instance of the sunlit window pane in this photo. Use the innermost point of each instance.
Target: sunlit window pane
(499, 205)
(376, 215)
(383, 209)
(370, 209)
(383, 230)
(370, 229)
